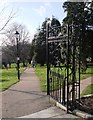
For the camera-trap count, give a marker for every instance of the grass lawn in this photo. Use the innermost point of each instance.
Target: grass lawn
(41, 72)
(88, 90)
(9, 77)
(87, 73)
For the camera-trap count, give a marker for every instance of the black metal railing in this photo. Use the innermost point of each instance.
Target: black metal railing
(63, 66)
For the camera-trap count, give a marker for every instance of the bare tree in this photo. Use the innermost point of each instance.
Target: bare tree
(4, 18)
(11, 15)
(4, 21)
(23, 42)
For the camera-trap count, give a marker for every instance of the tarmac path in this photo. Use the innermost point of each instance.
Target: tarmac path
(25, 97)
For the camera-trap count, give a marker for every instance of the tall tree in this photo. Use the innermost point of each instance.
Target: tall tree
(81, 13)
(40, 40)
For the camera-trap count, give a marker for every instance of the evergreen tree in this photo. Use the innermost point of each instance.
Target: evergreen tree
(40, 40)
(81, 14)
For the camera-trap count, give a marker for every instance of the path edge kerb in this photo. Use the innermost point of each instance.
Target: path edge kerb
(74, 112)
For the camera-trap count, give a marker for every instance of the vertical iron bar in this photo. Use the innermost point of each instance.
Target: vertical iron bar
(56, 88)
(63, 88)
(63, 91)
(47, 57)
(52, 92)
(60, 87)
(18, 59)
(73, 66)
(79, 61)
(68, 68)
(58, 83)
(53, 88)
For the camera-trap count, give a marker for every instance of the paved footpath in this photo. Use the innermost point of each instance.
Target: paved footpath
(84, 83)
(25, 98)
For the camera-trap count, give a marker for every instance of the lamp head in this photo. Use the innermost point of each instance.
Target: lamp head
(17, 34)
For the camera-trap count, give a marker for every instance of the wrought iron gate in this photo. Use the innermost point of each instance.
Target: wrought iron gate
(63, 47)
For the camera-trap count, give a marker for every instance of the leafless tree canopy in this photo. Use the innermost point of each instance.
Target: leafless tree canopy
(5, 20)
(10, 49)
(10, 34)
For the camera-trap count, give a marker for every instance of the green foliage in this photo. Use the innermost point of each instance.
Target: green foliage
(32, 50)
(81, 13)
(78, 12)
(9, 77)
(40, 41)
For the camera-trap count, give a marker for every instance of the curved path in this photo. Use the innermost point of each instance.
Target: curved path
(84, 83)
(26, 98)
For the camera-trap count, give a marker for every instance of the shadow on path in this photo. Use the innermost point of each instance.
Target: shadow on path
(24, 97)
(31, 93)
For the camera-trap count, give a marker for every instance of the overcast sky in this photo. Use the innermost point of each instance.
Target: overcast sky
(32, 14)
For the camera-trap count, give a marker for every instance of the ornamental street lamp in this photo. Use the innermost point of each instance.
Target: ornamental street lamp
(18, 59)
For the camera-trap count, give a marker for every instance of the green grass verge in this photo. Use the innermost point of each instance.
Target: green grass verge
(9, 77)
(88, 90)
(87, 73)
(41, 72)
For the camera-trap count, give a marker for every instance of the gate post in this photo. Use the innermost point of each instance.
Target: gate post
(47, 56)
(73, 64)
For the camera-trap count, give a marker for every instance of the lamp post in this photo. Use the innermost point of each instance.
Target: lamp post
(18, 59)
